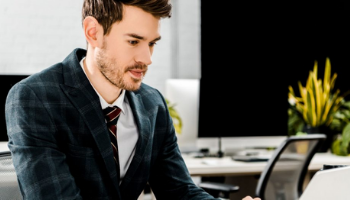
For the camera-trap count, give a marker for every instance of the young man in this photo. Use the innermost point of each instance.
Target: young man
(58, 135)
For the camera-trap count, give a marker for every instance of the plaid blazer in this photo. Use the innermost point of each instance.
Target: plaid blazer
(60, 144)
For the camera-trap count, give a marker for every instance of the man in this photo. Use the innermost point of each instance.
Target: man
(58, 135)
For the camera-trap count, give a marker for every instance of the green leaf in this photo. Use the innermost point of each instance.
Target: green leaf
(345, 138)
(336, 149)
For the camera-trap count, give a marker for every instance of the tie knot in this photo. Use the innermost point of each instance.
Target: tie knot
(111, 114)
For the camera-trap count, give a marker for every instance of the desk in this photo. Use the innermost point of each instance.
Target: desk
(225, 166)
(246, 174)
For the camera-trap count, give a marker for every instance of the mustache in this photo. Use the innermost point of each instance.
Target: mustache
(137, 66)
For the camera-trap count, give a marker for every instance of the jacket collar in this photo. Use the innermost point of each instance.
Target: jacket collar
(82, 95)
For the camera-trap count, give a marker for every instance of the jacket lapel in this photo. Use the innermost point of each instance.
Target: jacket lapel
(145, 135)
(80, 92)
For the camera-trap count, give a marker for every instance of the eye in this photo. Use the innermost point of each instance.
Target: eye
(151, 44)
(133, 42)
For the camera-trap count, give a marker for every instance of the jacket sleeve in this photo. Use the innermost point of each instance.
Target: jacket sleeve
(170, 178)
(40, 166)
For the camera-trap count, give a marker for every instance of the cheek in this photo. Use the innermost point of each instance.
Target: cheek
(120, 51)
(124, 56)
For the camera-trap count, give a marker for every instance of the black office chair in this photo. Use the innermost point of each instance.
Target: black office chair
(8, 179)
(284, 174)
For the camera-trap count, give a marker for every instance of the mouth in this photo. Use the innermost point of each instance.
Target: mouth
(136, 73)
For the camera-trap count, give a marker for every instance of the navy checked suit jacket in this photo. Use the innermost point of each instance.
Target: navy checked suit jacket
(60, 144)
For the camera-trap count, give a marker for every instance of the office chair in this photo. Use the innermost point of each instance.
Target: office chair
(9, 188)
(284, 174)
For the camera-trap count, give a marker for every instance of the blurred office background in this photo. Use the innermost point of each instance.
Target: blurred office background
(39, 33)
(247, 53)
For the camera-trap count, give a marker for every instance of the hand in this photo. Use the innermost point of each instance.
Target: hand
(250, 198)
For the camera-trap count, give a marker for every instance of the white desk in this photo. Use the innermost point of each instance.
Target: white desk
(226, 166)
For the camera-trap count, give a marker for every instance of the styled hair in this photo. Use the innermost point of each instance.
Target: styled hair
(106, 12)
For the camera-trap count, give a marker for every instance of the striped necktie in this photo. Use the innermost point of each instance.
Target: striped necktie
(112, 115)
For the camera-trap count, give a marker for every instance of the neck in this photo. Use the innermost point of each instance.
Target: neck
(107, 90)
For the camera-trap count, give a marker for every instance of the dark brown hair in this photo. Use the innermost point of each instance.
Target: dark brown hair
(106, 12)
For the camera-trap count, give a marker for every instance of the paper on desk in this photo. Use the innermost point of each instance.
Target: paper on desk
(210, 162)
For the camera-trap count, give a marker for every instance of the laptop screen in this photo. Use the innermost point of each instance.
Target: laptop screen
(328, 184)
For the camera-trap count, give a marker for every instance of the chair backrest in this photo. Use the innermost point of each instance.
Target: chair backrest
(8, 179)
(284, 174)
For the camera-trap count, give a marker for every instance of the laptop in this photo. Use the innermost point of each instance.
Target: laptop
(328, 184)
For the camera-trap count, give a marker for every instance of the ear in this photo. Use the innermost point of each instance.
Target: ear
(93, 31)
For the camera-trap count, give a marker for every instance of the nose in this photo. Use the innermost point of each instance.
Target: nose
(144, 55)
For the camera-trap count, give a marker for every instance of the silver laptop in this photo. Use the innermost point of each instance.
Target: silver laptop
(328, 184)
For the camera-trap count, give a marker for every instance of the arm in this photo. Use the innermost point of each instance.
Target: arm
(40, 165)
(170, 177)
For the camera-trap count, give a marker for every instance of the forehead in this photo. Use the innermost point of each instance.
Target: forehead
(139, 22)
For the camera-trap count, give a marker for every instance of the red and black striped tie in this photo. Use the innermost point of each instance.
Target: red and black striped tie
(112, 116)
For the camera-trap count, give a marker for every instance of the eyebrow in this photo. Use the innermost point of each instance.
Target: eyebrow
(141, 38)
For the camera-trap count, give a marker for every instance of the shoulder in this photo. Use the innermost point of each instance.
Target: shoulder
(69, 68)
(38, 83)
(51, 74)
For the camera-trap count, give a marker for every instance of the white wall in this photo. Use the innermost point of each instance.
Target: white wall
(36, 34)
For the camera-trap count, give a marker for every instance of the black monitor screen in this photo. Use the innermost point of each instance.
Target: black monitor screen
(235, 109)
(7, 81)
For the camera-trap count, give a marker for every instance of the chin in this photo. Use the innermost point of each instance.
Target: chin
(133, 85)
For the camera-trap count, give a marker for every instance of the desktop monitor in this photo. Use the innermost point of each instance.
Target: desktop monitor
(184, 94)
(198, 133)
(8, 80)
(240, 115)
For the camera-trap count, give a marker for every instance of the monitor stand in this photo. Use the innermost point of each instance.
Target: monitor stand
(220, 152)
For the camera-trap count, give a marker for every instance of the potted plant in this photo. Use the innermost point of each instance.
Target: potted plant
(341, 122)
(314, 111)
